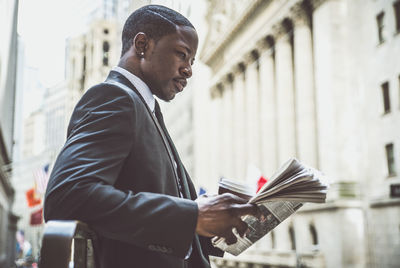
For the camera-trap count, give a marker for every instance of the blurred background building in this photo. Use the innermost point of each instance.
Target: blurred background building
(9, 46)
(89, 54)
(319, 80)
(314, 79)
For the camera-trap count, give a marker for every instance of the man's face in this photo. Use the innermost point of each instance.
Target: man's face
(167, 63)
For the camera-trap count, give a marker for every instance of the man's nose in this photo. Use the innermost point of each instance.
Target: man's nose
(186, 71)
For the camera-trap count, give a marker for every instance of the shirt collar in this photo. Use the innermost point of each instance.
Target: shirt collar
(141, 86)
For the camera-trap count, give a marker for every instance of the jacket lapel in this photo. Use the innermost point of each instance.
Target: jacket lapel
(181, 172)
(119, 80)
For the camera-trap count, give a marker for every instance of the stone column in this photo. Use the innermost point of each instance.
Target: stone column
(304, 84)
(226, 128)
(216, 133)
(285, 94)
(220, 129)
(223, 130)
(239, 121)
(267, 100)
(252, 126)
(230, 134)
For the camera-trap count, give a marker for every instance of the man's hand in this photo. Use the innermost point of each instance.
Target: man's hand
(219, 214)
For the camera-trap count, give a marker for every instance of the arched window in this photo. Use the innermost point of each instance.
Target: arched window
(292, 238)
(106, 49)
(314, 235)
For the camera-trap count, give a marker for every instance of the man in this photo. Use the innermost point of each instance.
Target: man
(119, 170)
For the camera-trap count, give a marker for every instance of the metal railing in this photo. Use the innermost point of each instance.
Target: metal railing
(67, 244)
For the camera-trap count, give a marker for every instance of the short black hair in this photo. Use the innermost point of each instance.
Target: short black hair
(153, 20)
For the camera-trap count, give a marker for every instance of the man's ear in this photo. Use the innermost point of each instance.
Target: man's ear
(140, 43)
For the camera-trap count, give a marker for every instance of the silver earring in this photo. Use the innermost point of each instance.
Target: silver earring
(142, 53)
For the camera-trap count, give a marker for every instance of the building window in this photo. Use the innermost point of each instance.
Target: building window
(84, 64)
(381, 27)
(272, 239)
(105, 31)
(83, 77)
(106, 49)
(390, 159)
(292, 238)
(386, 97)
(2, 228)
(396, 7)
(314, 235)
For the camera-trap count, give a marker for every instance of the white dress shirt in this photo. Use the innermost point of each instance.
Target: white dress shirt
(141, 86)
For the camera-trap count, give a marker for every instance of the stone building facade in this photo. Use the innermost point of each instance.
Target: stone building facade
(318, 80)
(90, 57)
(8, 83)
(44, 132)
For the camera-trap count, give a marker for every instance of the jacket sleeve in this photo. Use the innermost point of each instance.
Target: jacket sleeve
(101, 136)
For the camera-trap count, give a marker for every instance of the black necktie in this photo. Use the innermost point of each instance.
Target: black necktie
(181, 173)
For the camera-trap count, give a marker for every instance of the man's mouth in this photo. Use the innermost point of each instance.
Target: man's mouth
(180, 84)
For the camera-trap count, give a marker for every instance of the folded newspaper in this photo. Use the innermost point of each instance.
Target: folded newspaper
(284, 193)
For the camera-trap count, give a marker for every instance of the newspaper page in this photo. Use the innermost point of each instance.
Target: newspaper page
(271, 215)
(285, 192)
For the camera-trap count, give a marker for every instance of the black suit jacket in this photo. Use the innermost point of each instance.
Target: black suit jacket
(114, 173)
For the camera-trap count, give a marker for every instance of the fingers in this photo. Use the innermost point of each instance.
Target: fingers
(241, 206)
(247, 209)
(241, 227)
(230, 238)
(217, 215)
(233, 198)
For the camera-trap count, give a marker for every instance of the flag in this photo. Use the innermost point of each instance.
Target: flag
(202, 191)
(260, 183)
(41, 176)
(32, 198)
(37, 217)
(255, 178)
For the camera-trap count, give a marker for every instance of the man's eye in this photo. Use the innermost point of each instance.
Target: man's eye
(181, 55)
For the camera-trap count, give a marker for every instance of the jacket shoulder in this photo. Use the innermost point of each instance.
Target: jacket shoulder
(111, 89)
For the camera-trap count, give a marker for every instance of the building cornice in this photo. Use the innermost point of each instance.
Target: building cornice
(332, 205)
(211, 53)
(388, 202)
